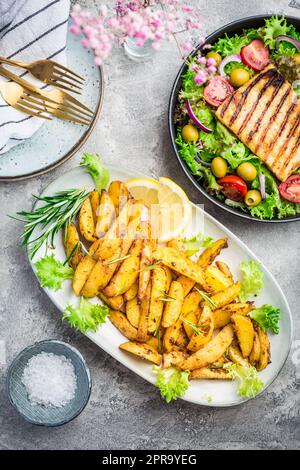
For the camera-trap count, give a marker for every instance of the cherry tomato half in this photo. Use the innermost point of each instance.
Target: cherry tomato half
(217, 90)
(290, 189)
(256, 55)
(233, 187)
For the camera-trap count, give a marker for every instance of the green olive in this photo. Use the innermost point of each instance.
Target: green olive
(247, 171)
(296, 58)
(253, 198)
(216, 56)
(190, 133)
(219, 167)
(239, 77)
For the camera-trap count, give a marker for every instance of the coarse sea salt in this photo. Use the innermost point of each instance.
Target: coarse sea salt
(50, 380)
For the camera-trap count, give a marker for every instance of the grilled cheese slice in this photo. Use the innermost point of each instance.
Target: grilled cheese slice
(265, 115)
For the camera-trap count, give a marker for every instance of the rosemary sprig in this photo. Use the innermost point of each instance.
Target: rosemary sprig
(116, 260)
(57, 212)
(207, 299)
(196, 328)
(150, 267)
(167, 298)
(71, 253)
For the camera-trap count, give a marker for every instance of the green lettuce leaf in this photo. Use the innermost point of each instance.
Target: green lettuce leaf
(267, 317)
(193, 244)
(51, 272)
(96, 169)
(249, 384)
(172, 383)
(252, 279)
(228, 45)
(87, 316)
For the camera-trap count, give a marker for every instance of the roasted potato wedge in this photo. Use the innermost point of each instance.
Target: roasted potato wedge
(180, 263)
(182, 339)
(255, 353)
(142, 334)
(105, 215)
(234, 353)
(115, 235)
(95, 200)
(244, 331)
(119, 195)
(209, 254)
(265, 357)
(222, 315)
(205, 259)
(226, 296)
(169, 277)
(156, 304)
(86, 221)
(120, 321)
(72, 244)
(210, 373)
(215, 280)
(128, 272)
(190, 311)
(132, 292)
(145, 273)
(173, 358)
(206, 323)
(115, 303)
(191, 317)
(172, 309)
(211, 351)
(84, 269)
(142, 350)
(133, 312)
(225, 270)
(171, 336)
(100, 275)
(178, 244)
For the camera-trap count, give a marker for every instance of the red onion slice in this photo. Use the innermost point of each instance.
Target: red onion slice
(195, 119)
(288, 39)
(227, 60)
(262, 181)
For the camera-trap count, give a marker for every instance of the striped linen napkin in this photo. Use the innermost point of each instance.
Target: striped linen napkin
(29, 30)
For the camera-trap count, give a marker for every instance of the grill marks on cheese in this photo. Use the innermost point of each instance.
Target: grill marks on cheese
(265, 115)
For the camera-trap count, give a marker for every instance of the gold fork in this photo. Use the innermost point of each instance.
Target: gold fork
(50, 72)
(34, 100)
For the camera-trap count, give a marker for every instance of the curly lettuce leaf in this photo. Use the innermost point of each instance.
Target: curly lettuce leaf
(51, 272)
(249, 384)
(172, 383)
(252, 279)
(87, 316)
(275, 27)
(193, 244)
(190, 89)
(96, 169)
(228, 45)
(267, 317)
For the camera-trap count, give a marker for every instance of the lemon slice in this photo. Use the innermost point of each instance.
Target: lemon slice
(169, 208)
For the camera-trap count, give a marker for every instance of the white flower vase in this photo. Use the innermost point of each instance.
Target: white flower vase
(138, 53)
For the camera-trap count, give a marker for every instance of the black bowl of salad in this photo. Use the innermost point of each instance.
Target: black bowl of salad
(234, 118)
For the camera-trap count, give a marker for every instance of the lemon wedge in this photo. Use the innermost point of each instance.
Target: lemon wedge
(169, 208)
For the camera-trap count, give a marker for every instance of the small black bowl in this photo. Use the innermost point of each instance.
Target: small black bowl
(48, 416)
(231, 28)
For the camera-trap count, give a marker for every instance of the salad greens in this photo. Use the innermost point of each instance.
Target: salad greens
(249, 384)
(52, 272)
(193, 244)
(172, 383)
(252, 279)
(267, 317)
(221, 142)
(97, 170)
(87, 316)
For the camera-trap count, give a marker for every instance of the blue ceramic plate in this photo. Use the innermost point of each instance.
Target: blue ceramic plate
(57, 140)
(38, 414)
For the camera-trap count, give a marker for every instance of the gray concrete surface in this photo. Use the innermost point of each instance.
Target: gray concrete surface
(124, 411)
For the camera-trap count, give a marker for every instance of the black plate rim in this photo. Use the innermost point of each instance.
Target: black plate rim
(230, 27)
